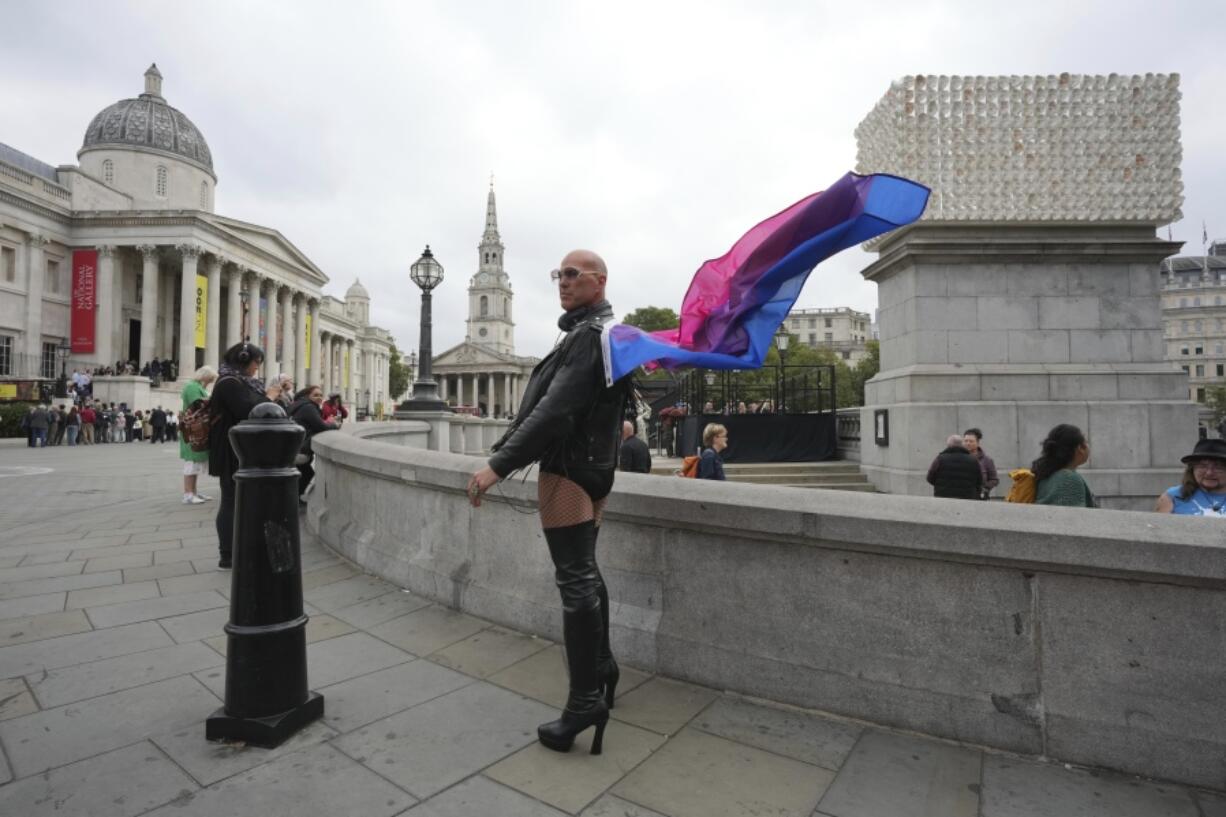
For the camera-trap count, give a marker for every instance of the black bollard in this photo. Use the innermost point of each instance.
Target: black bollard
(267, 699)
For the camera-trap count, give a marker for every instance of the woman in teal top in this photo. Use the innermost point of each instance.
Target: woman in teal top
(1055, 471)
(1203, 489)
(195, 463)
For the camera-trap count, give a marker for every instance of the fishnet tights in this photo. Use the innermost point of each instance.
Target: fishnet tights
(563, 503)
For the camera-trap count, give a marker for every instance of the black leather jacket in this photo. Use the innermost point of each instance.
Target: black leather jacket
(568, 419)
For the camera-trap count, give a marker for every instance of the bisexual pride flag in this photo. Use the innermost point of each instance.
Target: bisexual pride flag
(736, 302)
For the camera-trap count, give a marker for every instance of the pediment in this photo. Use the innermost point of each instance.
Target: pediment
(271, 242)
(468, 354)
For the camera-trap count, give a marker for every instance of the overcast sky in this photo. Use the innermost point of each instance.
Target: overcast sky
(654, 133)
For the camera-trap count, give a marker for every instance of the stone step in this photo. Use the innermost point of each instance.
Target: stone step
(797, 479)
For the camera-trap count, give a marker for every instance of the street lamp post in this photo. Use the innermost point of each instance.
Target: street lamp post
(427, 273)
(709, 377)
(62, 351)
(781, 343)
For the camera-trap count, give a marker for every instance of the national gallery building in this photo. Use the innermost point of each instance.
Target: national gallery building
(123, 259)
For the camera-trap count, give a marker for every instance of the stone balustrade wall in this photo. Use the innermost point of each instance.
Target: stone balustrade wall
(1087, 636)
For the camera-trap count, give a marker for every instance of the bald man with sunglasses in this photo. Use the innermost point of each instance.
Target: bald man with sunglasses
(569, 422)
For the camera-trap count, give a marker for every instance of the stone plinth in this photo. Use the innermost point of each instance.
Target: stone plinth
(134, 390)
(1014, 329)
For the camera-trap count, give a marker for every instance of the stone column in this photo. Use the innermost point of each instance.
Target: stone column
(212, 331)
(300, 368)
(148, 303)
(459, 390)
(187, 308)
(234, 307)
(251, 329)
(350, 372)
(317, 352)
(168, 344)
(271, 364)
(36, 273)
(104, 328)
(442, 387)
(287, 334)
(506, 392)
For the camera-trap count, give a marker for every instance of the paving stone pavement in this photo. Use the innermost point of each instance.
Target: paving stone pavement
(112, 655)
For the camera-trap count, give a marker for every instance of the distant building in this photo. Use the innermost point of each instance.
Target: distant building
(841, 329)
(122, 258)
(1194, 318)
(483, 374)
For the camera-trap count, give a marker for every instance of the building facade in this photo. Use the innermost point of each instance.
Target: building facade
(843, 330)
(483, 374)
(1194, 320)
(130, 238)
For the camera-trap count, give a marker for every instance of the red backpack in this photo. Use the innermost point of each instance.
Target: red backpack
(689, 467)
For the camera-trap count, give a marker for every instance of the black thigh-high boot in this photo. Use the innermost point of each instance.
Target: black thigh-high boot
(606, 664)
(579, 584)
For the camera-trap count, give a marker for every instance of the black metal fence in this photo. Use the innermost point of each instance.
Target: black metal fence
(773, 390)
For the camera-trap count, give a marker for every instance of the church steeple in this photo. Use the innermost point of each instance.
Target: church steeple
(489, 292)
(490, 249)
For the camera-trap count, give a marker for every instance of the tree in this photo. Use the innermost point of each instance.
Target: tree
(652, 318)
(1215, 401)
(397, 374)
(866, 369)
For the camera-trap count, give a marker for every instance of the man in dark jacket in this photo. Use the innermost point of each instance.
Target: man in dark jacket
(157, 419)
(955, 472)
(568, 421)
(635, 456)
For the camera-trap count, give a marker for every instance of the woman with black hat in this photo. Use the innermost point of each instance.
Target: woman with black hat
(1203, 489)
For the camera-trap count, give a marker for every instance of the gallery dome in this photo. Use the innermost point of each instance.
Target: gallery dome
(148, 123)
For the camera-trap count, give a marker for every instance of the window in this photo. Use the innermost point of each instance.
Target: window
(160, 181)
(1200, 370)
(8, 264)
(1185, 369)
(6, 354)
(1183, 303)
(1183, 327)
(846, 355)
(1217, 349)
(812, 338)
(829, 337)
(1200, 395)
(204, 195)
(485, 305)
(108, 172)
(812, 323)
(48, 361)
(1199, 350)
(829, 323)
(1197, 326)
(1221, 370)
(1196, 301)
(52, 282)
(1183, 350)
(1217, 301)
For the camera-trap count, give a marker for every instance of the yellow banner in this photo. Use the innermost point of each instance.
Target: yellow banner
(202, 304)
(8, 391)
(306, 364)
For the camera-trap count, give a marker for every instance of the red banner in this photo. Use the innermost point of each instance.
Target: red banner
(84, 298)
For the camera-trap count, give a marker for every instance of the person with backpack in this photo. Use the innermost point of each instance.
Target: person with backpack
(569, 421)
(1056, 480)
(194, 462)
(714, 441)
(236, 392)
(306, 412)
(1202, 491)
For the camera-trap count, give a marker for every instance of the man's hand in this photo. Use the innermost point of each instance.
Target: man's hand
(273, 392)
(481, 482)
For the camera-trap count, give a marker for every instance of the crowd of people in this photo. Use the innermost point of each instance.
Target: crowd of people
(94, 422)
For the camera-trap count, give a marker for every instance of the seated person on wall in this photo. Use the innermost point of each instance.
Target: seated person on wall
(714, 441)
(1202, 492)
(955, 473)
(1055, 471)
